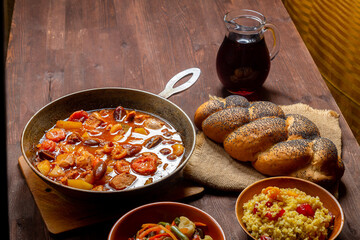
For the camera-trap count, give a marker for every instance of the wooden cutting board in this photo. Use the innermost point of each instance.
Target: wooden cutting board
(62, 213)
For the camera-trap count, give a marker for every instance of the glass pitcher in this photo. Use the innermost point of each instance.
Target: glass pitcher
(243, 59)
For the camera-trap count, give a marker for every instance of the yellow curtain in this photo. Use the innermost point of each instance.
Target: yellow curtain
(331, 32)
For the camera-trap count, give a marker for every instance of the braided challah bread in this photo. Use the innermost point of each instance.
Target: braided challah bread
(276, 144)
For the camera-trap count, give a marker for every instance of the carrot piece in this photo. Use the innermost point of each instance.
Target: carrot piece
(168, 232)
(68, 124)
(271, 192)
(157, 236)
(149, 230)
(144, 227)
(200, 224)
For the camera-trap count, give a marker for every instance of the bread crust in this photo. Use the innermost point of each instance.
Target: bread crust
(326, 167)
(300, 127)
(263, 109)
(284, 157)
(247, 141)
(236, 101)
(216, 104)
(221, 123)
(206, 109)
(276, 144)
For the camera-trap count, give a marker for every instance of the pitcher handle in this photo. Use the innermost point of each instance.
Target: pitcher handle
(276, 44)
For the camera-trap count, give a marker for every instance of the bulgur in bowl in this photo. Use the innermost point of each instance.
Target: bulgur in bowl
(288, 208)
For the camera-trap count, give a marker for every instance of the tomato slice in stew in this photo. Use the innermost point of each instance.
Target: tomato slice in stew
(48, 145)
(145, 165)
(122, 166)
(56, 134)
(79, 116)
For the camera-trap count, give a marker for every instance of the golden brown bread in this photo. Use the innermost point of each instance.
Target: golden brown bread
(247, 141)
(214, 105)
(284, 158)
(326, 167)
(206, 109)
(264, 109)
(299, 127)
(219, 124)
(275, 143)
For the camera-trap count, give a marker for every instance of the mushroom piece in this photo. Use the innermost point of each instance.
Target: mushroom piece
(153, 123)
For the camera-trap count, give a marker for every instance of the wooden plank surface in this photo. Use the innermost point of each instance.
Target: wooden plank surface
(63, 213)
(60, 46)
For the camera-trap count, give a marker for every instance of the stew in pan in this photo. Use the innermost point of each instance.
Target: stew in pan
(109, 149)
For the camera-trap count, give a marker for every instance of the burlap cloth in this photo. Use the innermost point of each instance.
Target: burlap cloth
(211, 166)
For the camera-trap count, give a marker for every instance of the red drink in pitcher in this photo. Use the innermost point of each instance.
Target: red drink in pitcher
(243, 59)
(242, 67)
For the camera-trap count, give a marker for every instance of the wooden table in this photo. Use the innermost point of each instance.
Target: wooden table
(60, 46)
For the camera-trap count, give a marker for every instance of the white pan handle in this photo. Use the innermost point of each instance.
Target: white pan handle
(169, 90)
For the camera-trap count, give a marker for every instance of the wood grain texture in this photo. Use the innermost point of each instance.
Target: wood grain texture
(61, 46)
(62, 213)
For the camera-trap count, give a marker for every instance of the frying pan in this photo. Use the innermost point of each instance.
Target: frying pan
(112, 97)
